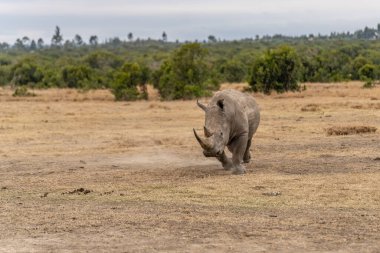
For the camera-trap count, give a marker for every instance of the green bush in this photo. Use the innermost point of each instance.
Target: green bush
(26, 72)
(127, 80)
(357, 64)
(5, 75)
(368, 84)
(103, 60)
(277, 69)
(233, 71)
(77, 76)
(184, 75)
(367, 72)
(22, 91)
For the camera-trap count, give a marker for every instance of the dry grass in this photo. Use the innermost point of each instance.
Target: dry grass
(347, 130)
(310, 108)
(80, 172)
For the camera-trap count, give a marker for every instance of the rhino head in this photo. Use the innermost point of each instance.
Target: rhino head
(215, 130)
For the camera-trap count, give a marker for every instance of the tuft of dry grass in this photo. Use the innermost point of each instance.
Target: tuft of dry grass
(310, 108)
(348, 130)
(158, 106)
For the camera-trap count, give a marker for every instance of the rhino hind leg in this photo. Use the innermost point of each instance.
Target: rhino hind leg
(247, 154)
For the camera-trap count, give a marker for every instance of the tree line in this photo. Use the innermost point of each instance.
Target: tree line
(188, 69)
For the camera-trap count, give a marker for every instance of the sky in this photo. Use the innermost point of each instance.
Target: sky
(182, 20)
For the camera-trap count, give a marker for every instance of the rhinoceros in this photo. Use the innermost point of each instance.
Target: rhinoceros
(231, 120)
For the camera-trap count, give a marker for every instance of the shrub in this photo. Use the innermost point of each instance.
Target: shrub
(26, 72)
(277, 69)
(368, 84)
(232, 71)
(77, 76)
(22, 91)
(103, 60)
(185, 75)
(126, 81)
(367, 72)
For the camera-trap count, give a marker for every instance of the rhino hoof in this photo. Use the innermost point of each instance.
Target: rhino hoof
(227, 166)
(239, 171)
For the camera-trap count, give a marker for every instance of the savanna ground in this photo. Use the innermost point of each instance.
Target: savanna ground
(79, 172)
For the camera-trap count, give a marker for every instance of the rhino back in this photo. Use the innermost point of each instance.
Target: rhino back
(241, 110)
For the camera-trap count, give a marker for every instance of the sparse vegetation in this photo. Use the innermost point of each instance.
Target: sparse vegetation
(188, 70)
(22, 91)
(347, 130)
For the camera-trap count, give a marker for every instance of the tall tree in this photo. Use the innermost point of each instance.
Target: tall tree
(19, 44)
(33, 45)
(25, 41)
(211, 38)
(78, 41)
(40, 43)
(93, 40)
(164, 37)
(130, 36)
(57, 38)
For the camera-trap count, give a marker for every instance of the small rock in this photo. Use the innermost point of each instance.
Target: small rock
(4, 188)
(377, 159)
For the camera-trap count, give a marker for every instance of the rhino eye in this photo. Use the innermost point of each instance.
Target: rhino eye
(221, 134)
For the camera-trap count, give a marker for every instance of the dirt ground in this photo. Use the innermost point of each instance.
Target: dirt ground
(79, 172)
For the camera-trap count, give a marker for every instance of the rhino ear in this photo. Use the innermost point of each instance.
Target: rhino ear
(220, 103)
(202, 106)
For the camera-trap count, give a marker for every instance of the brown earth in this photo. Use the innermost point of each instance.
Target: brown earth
(79, 172)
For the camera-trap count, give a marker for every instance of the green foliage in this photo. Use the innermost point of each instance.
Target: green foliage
(5, 70)
(368, 72)
(276, 70)
(126, 81)
(368, 84)
(357, 64)
(184, 75)
(57, 38)
(188, 70)
(26, 72)
(233, 71)
(77, 76)
(22, 91)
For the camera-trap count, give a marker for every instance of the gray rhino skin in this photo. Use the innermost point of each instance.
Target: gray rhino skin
(232, 118)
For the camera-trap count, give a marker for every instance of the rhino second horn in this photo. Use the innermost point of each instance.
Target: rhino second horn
(207, 132)
(202, 106)
(204, 142)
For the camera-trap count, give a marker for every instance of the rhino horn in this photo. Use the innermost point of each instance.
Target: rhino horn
(207, 132)
(202, 106)
(204, 142)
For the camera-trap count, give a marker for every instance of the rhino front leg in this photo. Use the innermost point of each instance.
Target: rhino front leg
(247, 154)
(238, 148)
(226, 162)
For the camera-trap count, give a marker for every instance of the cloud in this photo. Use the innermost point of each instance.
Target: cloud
(184, 20)
(170, 7)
